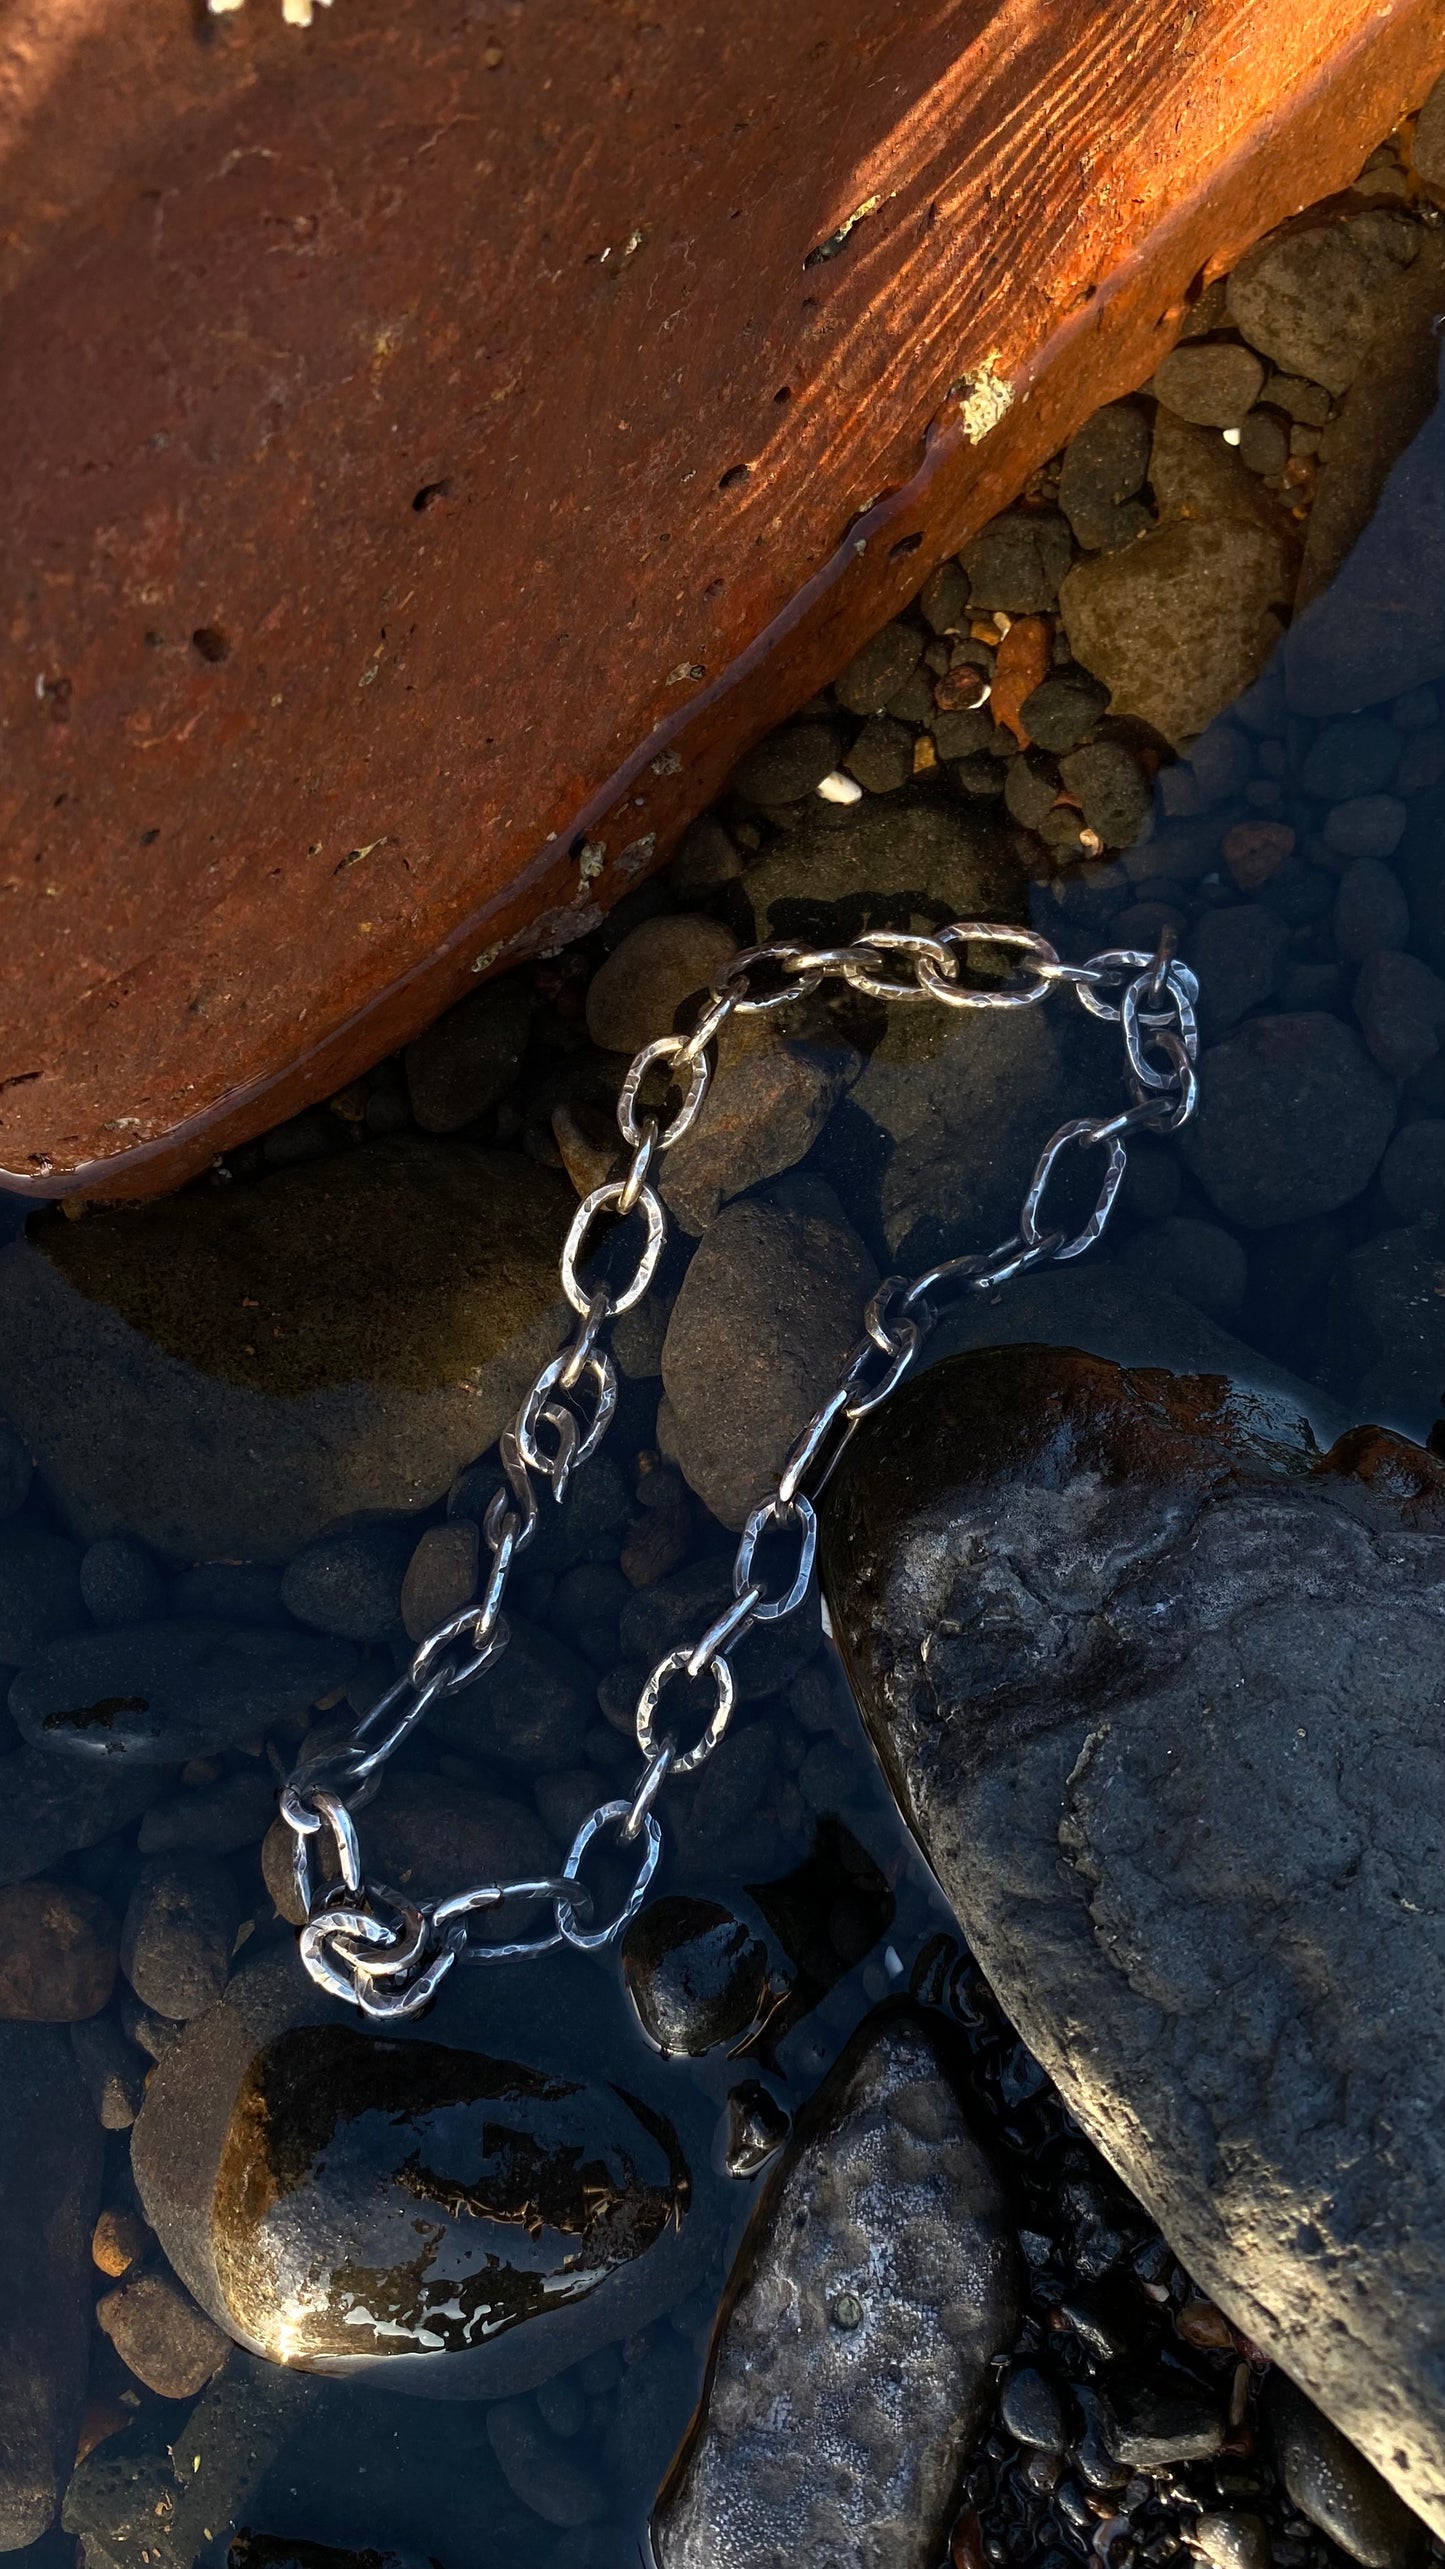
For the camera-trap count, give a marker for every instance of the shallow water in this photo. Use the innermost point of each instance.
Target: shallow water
(1313, 1241)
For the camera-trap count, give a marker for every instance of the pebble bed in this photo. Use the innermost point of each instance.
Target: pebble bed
(967, 758)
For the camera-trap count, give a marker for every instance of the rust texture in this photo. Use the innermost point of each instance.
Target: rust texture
(442, 439)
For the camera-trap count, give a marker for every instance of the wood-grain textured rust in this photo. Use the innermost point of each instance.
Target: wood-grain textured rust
(435, 452)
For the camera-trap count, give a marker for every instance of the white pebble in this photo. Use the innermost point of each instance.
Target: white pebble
(838, 788)
(1230, 436)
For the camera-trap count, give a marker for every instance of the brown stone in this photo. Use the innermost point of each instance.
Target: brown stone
(157, 2331)
(119, 2240)
(1255, 850)
(58, 1948)
(341, 665)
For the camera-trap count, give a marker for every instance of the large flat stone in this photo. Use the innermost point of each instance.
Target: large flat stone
(1157, 1684)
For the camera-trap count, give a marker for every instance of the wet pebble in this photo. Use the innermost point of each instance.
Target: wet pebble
(767, 1104)
(1400, 1005)
(1112, 789)
(120, 1582)
(119, 2240)
(160, 2335)
(530, 1708)
(441, 1576)
(875, 2285)
(755, 2130)
(1370, 910)
(1063, 711)
(1372, 825)
(1239, 955)
(1103, 468)
(875, 674)
(1333, 2484)
(51, 1807)
(180, 1925)
(349, 1582)
(1200, 1260)
(1151, 2426)
(57, 1953)
(782, 769)
(1030, 2410)
(1213, 383)
(162, 1693)
(634, 996)
(1017, 561)
(1357, 755)
(1232, 2541)
(464, 1065)
(1412, 1172)
(1293, 1120)
(768, 1309)
(695, 1972)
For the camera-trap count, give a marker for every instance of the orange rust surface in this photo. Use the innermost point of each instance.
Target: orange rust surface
(1023, 662)
(436, 450)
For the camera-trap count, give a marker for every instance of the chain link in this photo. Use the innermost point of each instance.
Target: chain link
(388, 1955)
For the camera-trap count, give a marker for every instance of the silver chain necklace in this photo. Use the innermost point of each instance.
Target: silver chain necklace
(388, 1955)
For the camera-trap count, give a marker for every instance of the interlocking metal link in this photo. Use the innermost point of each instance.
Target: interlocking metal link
(387, 1955)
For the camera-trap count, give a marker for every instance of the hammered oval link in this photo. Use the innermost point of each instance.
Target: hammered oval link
(654, 1777)
(1142, 1033)
(1083, 1131)
(737, 1618)
(607, 1815)
(811, 1442)
(668, 1048)
(601, 1200)
(1024, 942)
(789, 958)
(536, 1407)
(636, 1178)
(864, 1396)
(881, 941)
(1122, 963)
(674, 1664)
(772, 1512)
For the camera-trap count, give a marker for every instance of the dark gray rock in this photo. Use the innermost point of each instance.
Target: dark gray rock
(1112, 789)
(1030, 2410)
(1384, 1348)
(180, 1926)
(464, 1065)
(882, 865)
(51, 1807)
(1309, 300)
(1237, 2540)
(57, 1953)
(1357, 755)
(789, 763)
(1154, 2427)
(160, 1693)
(767, 1104)
(1063, 711)
(1017, 561)
(1157, 1686)
(16, 1469)
(459, 2211)
(876, 673)
(213, 1819)
(120, 1583)
(1179, 623)
(441, 1576)
(1293, 1120)
(1199, 1260)
(50, 2171)
(1239, 954)
(348, 1582)
(696, 1974)
(1371, 826)
(1370, 910)
(39, 1591)
(195, 1373)
(1388, 402)
(876, 2281)
(768, 1310)
(1334, 2485)
(1400, 1004)
(1213, 383)
(881, 757)
(1104, 466)
(529, 1709)
(1412, 1172)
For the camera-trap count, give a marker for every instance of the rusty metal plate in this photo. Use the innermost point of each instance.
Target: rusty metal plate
(440, 439)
